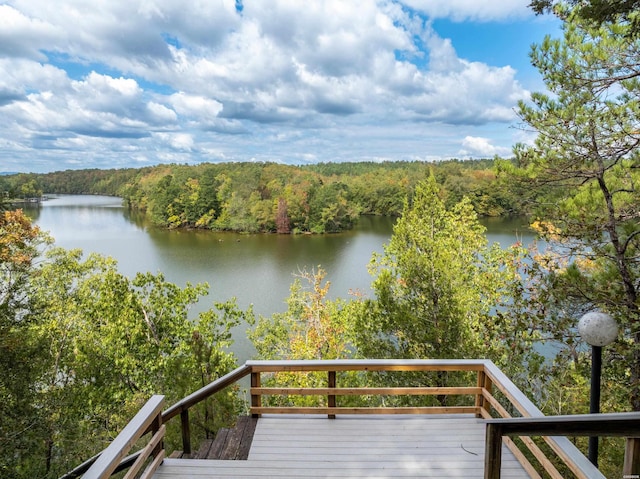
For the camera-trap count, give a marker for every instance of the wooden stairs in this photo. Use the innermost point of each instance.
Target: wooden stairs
(229, 444)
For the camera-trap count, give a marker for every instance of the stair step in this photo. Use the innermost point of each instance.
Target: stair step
(229, 444)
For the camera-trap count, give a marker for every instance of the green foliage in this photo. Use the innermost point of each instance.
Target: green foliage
(311, 328)
(596, 12)
(584, 166)
(439, 288)
(246, 197)
(20, 350)
(435, 284)
(83, 347)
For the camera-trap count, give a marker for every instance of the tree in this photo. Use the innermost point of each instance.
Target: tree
(112, 342)
(586, 158)
(20, 352)
(283, 224)
(596, 11)
(311, 328)
(82, 347)
(436, 287)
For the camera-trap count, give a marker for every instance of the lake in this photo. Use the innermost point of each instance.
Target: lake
(256, 269)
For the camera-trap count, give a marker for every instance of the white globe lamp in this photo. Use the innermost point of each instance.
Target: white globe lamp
(598, 330)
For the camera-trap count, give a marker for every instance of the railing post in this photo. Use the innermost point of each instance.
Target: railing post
(256, 399)
(480, 401)
(186, 432)
(155, 427)
(493, 452)
(331, 398)
(631, 467)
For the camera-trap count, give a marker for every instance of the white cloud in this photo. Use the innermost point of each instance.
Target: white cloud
(21, 35)
(481, 147)
(160, 113)
(195, 105)
(480, 10)
(177, 141)
(201, 77)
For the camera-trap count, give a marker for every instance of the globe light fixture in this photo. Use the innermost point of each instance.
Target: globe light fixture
(598, 330)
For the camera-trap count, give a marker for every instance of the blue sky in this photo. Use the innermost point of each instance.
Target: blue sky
(126, 83)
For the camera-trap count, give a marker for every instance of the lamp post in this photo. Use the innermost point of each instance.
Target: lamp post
(598, 330)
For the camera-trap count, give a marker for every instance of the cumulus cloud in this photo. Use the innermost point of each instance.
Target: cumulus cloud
(481, 147)
(211, 78)
(23, 36)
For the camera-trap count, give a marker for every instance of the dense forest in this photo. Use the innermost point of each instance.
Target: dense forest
(259, 197)
(83, 346)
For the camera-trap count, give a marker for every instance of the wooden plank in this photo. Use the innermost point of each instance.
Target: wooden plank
(356, 447)
(493, 451)
(423, 391)
(186, 431)
(562, 446)
(331, 398)
(204, 449)
(321, 470)
(232, 445)
(541, 457)
(369, 365)
(233, 449)
(153, 466)
(522, 403)
(522, 459)
(215, 451)
(247, 437)
(612, 424)
(146, 453)
(495, 404)
(366, 410)
(256, 400)
(480, 382)
(617, 424)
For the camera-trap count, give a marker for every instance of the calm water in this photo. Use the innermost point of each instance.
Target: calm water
(254, 269)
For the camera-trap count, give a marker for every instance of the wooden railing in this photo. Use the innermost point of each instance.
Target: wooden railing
(332, 391)
(489, 395)
(618, 424)
(148, 418)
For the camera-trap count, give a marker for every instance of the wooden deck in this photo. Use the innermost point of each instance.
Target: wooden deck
(431, 446)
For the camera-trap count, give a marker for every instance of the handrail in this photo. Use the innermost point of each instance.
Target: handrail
(612, 424)
(148, 417)
(181, 407)
(206, 391)
(485, 404)
(331, 392)
(561, 445)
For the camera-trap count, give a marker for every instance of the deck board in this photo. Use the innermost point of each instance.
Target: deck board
(355, 447)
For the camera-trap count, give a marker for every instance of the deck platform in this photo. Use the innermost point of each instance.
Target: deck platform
(425, 446)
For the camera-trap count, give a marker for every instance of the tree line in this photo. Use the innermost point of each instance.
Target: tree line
(270, 197)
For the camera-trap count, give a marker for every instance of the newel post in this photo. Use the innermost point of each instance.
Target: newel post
(186, 431)
(256, 399)
(493, 452)
(331, 398)
(480, 402)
